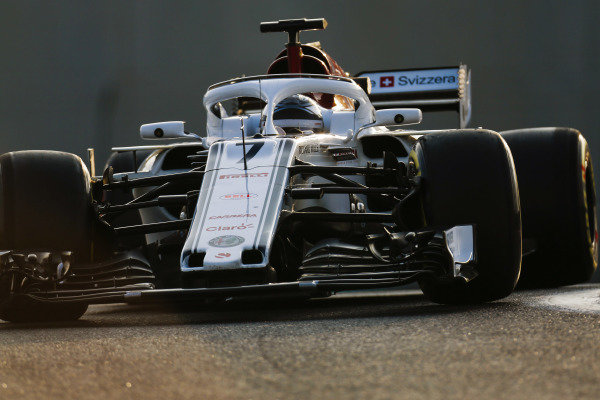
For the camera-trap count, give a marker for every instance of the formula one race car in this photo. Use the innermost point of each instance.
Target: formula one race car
(303, 185)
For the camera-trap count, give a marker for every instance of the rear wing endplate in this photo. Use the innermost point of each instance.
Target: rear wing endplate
(430, 89)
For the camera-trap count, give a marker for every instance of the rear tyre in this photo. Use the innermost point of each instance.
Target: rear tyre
(558, 201)
(469, 178)
(45, 204)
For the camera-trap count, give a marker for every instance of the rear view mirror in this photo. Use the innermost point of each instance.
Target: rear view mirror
(398, 116)
(391, 117)
(166, 130)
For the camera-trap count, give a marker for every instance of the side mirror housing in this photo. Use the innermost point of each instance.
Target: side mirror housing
(398, 116)
(166, 130)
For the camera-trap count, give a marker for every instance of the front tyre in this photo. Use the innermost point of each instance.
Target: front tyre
(45, 204)
(468, 177)
(22, 310)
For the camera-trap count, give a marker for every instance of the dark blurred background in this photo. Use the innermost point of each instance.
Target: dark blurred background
(78, 74)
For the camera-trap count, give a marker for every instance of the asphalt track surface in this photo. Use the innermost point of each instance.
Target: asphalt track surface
(374, 345)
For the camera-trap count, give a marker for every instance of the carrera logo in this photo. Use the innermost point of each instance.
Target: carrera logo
(223, 255)
(251, 175)
(240, 227)
(404, 80)
(230, 216)
(238, 196)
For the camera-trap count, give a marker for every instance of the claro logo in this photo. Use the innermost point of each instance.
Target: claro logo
(238, 196)
(404, 80)
(240, 227)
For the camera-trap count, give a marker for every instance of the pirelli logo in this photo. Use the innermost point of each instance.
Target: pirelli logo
(251, 175)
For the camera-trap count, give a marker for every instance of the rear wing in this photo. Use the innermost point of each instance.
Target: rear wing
(430, 89)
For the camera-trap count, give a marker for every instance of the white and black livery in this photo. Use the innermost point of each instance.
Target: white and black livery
(306, 182)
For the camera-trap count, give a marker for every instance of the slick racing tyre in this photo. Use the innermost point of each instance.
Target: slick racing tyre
(45, 205)
(468, 177)
(22, 310)
(559, 207)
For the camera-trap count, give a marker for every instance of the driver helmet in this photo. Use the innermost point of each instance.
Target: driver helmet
(298, 113)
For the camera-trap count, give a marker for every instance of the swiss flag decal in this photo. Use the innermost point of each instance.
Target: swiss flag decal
(386, 81)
